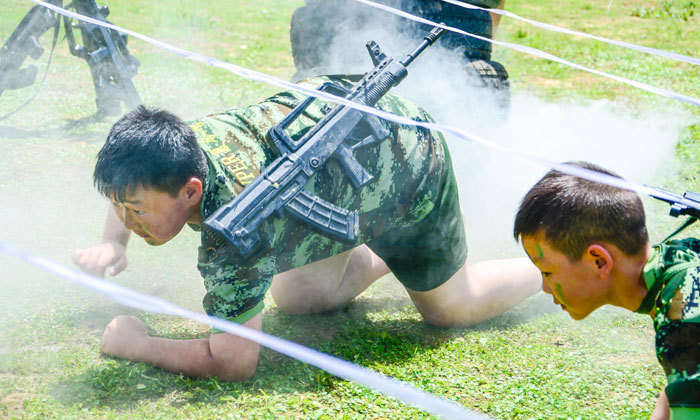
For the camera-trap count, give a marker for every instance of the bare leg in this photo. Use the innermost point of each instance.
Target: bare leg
(327, 284)
(496, 18)
(477, 293)
(662, 411)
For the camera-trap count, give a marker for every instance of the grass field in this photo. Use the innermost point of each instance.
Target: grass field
(532, 362)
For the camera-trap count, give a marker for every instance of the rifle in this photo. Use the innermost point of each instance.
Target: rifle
(280, 186)
(111, 65)
(686, 205)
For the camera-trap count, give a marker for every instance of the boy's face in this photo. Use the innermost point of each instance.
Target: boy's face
(155, 216)
(577, 287)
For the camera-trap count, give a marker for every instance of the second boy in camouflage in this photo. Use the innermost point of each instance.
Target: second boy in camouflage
(409, 213)
(672, 276)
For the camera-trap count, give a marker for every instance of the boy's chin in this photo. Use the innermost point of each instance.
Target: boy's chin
(576, 316)
(154, 242)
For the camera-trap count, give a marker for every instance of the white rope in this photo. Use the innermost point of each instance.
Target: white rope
(640, 48)
(388, 386)
(459, 133)
(254, 75)
(538, 53)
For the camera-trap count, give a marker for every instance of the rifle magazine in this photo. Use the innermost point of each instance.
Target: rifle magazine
(329, 219)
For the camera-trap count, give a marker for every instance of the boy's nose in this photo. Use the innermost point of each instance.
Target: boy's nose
(129, 222)
(545, 287)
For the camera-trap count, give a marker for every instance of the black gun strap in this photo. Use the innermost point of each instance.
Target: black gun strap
(689, 221)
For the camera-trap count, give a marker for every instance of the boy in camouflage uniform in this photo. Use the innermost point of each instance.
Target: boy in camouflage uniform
(161, 173)
(591, 245)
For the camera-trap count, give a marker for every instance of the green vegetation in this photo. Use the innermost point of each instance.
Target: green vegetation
(623, 22)
(678, 10)
(532, 362)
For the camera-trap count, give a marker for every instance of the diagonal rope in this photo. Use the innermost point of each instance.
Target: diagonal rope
(459, 133)
(554, 28)
(539, 53)
(254, 75)
(388, 386)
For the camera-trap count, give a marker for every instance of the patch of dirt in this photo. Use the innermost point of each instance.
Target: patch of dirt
(49, 348)
(636, 360)
(30, 379)
(543, 81)
(14, 403)
(646, 3)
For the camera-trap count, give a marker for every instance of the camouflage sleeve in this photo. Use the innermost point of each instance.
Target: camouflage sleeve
(677, 324)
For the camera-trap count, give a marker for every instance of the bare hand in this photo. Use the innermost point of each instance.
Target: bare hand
(97, 258)
(122, 335)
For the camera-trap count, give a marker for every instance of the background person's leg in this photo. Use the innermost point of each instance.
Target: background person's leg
(496, 18)
(327, 284)
(478, 292)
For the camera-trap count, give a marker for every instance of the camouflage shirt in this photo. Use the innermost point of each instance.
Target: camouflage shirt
(672, 275)
(408, 214)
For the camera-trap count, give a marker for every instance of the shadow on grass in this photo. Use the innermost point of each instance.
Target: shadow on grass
(388, 330)
(535, 306)
(80, 129)
(368, 332)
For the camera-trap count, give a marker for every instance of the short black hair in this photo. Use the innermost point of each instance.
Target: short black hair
(573, 212)
(149, 148)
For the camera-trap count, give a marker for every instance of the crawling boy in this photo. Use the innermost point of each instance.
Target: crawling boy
(590, 242)
(161, 173)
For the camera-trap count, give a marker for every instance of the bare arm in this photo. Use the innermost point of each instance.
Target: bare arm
(110, 252)
(115, 229)
(662, 410)
(223, 355)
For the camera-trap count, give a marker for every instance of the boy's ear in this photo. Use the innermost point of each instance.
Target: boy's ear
(193, 189)
(601, 257)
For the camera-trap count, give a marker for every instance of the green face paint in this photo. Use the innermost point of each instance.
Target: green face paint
(539, 251)
(560, 295)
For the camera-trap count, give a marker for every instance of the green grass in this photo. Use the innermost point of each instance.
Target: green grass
(531, 362)
(624, 22)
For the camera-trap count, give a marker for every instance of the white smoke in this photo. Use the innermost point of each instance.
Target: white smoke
(635, 144)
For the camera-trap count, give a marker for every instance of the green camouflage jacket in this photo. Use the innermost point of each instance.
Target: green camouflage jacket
(672, 275)
(412, 176)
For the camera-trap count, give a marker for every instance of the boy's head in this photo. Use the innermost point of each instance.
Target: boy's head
(571, 228)
(152, 170)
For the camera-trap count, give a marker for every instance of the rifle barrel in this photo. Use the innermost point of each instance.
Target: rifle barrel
(687, 204)
(428, 40)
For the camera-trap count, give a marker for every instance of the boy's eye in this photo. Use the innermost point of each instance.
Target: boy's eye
(137, 212)
(546, 274)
